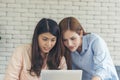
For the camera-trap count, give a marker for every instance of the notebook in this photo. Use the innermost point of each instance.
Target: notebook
(61, 75)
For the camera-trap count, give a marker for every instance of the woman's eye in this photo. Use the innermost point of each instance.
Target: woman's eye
(73, 38)
(53, 40)
(45, 39)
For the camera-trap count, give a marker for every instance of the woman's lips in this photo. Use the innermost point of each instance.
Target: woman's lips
(47, 49)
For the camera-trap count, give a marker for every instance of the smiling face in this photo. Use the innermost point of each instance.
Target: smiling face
(46, 42)
(72, 40)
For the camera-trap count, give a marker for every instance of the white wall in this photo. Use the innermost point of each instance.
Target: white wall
(18, 19)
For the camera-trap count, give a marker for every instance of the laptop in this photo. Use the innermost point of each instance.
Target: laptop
(61, 75)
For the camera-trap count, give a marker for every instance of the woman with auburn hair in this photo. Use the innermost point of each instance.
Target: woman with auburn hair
(86, 51)
(44, 53)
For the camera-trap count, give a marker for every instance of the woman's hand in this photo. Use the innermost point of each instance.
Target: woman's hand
(96, 78)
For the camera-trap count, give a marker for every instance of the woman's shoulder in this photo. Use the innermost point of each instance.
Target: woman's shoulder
(23, 46)
(22, 49)
(94, 36)
(96, 39)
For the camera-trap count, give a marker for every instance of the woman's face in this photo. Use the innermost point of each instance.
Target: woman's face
(46, 42)
(72, 40)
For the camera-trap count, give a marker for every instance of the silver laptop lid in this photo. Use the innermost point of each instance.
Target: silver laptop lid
(61, 75)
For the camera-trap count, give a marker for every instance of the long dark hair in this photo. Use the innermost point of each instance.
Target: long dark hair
(69, 23)
(54, 56)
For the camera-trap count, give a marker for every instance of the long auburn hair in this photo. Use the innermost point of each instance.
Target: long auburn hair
(69, 23)
(54, 56)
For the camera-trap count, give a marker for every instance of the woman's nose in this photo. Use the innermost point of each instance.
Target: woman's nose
(49, 43)
(69, 43)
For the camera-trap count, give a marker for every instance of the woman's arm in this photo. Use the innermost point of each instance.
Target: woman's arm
(14, 65)
(102, 60)
(96, 78)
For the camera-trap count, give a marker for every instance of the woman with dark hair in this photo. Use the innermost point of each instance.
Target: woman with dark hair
(86, 51)
(44, 53)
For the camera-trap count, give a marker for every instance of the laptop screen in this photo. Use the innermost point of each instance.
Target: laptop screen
(61, 75)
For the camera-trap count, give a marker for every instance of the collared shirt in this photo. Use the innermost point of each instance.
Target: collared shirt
(20, 64)
(94, 59)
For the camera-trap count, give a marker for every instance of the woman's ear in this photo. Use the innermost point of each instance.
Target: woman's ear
(81, 33)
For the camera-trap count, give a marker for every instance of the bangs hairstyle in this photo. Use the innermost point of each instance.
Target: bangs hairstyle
(54, 55)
